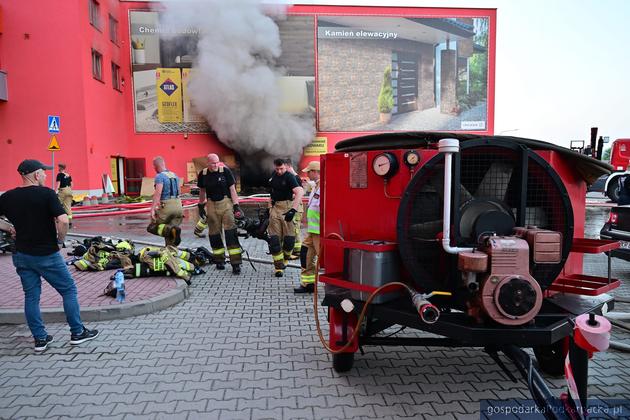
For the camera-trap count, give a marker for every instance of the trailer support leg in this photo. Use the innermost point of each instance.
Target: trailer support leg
(579, 364)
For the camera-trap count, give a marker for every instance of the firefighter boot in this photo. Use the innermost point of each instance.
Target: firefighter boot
(236, 269)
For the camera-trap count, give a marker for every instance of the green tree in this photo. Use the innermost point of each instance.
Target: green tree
(386, 96)
(606, 154)
(478, 64)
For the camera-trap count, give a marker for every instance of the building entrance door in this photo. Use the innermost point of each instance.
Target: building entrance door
(117, 170)
(406, 83)
(133, 174)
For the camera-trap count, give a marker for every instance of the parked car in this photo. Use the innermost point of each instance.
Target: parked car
(620, 160)
(618, 228)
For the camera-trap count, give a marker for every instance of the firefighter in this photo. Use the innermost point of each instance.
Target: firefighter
(217, 193)
(310, 247)
(286, 195)
(298, 216)
(166, 211)
(64, 190)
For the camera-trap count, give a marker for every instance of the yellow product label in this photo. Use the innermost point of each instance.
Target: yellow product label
(318, 146)
(168, 84)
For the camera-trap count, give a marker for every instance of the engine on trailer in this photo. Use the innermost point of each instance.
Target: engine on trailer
(497, 274)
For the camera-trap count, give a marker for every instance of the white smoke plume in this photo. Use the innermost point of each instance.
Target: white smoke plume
(234, 84)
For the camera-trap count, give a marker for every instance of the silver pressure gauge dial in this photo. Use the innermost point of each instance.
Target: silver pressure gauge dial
(385, 165)
(411, 158)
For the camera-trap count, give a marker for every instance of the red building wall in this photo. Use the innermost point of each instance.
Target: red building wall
(45, 47)
(39, 54)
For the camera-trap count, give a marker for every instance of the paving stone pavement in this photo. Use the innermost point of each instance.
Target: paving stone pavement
(246, 347)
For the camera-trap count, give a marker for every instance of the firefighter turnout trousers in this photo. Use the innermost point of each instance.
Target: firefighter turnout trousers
(65, 198)
(298, 230)
(169, 215)
(308, 258)
(281, 234)
(310, 249)
(220, 217)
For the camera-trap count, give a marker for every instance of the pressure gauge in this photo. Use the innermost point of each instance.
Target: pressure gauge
(411, 158)
(385, 165)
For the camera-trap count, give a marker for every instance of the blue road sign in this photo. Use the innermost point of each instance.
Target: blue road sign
(53, 124)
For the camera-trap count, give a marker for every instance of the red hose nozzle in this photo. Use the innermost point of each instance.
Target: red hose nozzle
(428, 312)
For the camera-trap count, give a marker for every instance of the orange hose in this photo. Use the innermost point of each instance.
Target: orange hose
(363, 311)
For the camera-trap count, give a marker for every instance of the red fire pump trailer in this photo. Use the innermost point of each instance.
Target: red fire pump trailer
(476, 239)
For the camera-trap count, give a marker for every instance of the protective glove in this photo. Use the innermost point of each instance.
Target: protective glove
(238, 212)
(288, 216)
(202, 210)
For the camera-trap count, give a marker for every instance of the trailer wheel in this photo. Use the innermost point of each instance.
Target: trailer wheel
(342, 362)
(612, 191)
(551, 358)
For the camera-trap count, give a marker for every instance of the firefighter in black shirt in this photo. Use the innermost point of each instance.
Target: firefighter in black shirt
(286, 196)
(64, 190)
(216, 182)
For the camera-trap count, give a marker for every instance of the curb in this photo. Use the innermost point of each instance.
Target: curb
(106, 313)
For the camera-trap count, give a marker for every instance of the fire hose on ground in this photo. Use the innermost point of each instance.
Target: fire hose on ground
(127, 209)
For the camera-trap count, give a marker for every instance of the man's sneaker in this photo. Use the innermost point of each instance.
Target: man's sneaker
(279, 273)
(86, 335)
(41, 344)
(220, 266)
(309, 288)
(176, 235)
(236, 269)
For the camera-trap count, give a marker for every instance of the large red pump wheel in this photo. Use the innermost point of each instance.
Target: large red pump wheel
(342, 327)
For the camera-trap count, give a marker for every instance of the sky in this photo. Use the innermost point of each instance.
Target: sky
(562, 66)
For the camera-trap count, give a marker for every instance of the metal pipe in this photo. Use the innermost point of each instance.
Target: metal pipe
(619, 316)
(448, 147)
(618, 345)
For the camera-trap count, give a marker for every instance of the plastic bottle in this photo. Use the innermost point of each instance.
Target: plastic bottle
(119, 280)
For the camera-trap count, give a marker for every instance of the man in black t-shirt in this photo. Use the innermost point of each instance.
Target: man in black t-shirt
(39, 223)
(216, 182)
(286, 196)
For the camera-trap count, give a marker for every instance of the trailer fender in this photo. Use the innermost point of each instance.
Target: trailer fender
(342, 327)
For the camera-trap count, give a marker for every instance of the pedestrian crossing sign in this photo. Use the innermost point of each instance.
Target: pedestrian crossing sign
(53, 124)
(53, 146)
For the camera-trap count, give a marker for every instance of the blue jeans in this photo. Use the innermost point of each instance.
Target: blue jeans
(53, 269)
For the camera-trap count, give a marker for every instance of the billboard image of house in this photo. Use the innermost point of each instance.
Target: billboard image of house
(402, 73)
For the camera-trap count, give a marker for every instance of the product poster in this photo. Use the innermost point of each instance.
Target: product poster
(168, 85)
